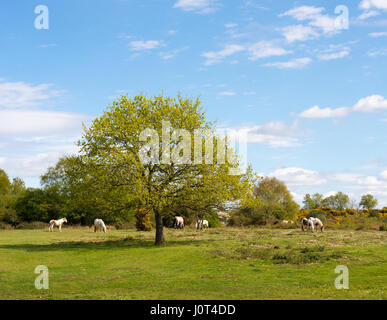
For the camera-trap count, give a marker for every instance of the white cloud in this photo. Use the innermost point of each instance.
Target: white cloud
(294, 176)
(325, 23)
(249, 93)
(368, 104)
(21, 94)
(265, 49)
(383, 174)
(372, 8)
(303, 13)
(145, 45)
(368, 14)
(227, 93)
(334, 55)
(230, 25)
(376, 4)
(378, 34)
(257, 50)
(171, 54)
(371, 104)
(197, 6)
(376, 53)
(274, 134)
(34, 165)
(172, 32)
(299, 33)
(39, 122)
(334, 52)
(217, 56)
(291, 64)
(317, 112)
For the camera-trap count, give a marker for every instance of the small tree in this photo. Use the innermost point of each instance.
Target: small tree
(17, 186)
(368, 202)
(313, 202)
(276, 199)
(339, 201)
(5, 184)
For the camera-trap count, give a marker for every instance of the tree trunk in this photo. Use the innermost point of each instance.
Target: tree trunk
(159, 229)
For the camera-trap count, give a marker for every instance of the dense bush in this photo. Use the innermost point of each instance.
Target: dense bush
(213, 221)
(37, 205)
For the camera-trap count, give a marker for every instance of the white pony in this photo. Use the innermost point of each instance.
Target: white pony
(99, 225)
(200, 224)
(311, 223)
(57, 223)
(178, 223)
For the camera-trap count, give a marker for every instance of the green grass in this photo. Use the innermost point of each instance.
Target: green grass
(222, 263)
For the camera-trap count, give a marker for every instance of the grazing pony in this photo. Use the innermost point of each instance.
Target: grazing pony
(178, 223)
(311, 223)
(57, 223)
(99, 225)
(315, 222)
(201, 224)
(304, 223)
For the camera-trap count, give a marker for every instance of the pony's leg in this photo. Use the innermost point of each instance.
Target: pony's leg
(60, 228)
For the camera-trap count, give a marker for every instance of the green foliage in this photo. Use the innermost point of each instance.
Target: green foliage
(9, 193)
(7, 208)
(143, 221)
(83, 195)
(37, 205)
(339, 201)
(276, 198)
(17, 186)
(213, 220)
(313, 202)
(368, 202)
(5, 184)
(269, 202)
(111, 148)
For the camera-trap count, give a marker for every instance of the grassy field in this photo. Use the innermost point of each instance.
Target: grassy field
(223, 263)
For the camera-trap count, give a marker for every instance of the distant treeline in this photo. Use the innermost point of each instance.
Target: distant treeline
(66, 194)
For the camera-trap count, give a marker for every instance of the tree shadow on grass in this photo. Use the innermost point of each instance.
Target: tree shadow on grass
(99, 245)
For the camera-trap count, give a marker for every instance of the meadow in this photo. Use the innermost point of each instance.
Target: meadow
(219, 263)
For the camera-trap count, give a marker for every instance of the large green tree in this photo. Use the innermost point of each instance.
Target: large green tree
(130, 146)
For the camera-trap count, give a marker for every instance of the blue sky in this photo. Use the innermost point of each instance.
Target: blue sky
(309, 90)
